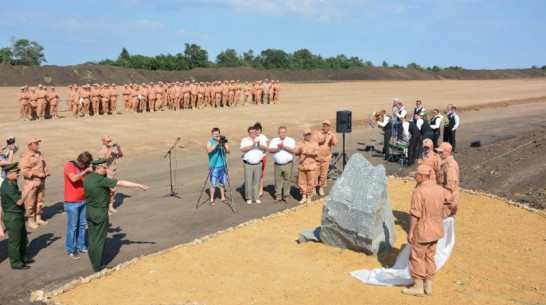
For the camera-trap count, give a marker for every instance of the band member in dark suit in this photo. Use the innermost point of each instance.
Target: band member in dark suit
(411, 133)
(435, 123)
(447, 129)
(453, 125)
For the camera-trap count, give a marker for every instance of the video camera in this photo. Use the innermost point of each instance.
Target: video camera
(223, 140)
(10, 141)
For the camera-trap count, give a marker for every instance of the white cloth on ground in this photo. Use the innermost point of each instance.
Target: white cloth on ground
(399, 274)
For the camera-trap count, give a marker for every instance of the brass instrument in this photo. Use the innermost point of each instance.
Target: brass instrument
(376, 115)
(445, 119)
(424, 114)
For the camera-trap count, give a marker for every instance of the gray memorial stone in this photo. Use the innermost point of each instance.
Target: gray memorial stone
(358, 214)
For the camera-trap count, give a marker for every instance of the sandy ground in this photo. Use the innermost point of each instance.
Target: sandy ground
(149, 222)
(492, 263)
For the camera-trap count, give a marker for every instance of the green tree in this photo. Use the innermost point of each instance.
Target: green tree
(249, 56)
(27, 53)
(6, 55)
(355, 61)
(274, 59)
(414, 66)
(228, 58)
(124, 59)
(304, 59)
(385, 64)
(196, 56)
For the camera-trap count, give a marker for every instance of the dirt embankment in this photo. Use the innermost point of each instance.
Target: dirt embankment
(91, 73)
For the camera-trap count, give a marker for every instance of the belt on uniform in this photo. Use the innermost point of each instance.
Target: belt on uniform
(284, 163)
(246, 162)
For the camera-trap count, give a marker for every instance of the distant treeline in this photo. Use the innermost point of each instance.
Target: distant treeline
(196, 57)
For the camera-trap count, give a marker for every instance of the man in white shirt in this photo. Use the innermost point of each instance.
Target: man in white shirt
(282, 148)
(401, 113)
(253, 152)
(418, 109)
(453, 125)
(387, 128)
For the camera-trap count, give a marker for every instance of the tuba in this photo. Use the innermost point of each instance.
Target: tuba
(376, 115)
(424, 114)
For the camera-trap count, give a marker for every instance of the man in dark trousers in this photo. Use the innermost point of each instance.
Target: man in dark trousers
(14, 217)
(453, 125)
(97, 196)
(412, 134)
(386, 124)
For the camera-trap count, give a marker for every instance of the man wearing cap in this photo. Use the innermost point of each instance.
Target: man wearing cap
(74, 203)
(105, 98)
(253, 151)
(126, 93)
(277, 92)
(53, 99)
(426, 229)
(34, 170)
(449, 178)
(23, 97)
(85, 94)
(41, 96)
(282, 148)
(113, 92)
(97, 193)
(14, 217)
(430, 158)
(111, 152)
(326, 139)
(307, 150)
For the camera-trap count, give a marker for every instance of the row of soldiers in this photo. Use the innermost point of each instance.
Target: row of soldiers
(194, 95)
(102, 99)
(37, 103)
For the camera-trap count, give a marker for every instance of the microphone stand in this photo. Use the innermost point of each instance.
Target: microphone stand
(172, 193)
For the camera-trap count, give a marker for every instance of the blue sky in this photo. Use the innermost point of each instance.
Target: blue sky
(475, 34)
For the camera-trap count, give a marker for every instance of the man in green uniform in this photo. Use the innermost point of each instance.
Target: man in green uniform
(14, 217)
(97, 196)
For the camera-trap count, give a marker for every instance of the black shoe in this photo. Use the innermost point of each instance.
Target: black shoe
(23, 267)
(30, 261)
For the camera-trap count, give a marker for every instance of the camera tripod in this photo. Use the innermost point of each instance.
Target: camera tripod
(222, 155)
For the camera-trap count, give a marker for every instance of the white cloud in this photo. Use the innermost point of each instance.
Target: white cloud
(150, 24)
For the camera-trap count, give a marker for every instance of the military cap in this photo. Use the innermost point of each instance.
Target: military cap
(13, 167)
(100, 162)
(422, 169)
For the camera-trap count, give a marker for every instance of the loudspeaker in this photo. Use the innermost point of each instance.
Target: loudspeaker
(343, 121)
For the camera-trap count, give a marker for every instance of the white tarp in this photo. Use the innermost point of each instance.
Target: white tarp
(399, 274)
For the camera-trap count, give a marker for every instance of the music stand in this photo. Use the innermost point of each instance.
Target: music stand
(172, 193)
